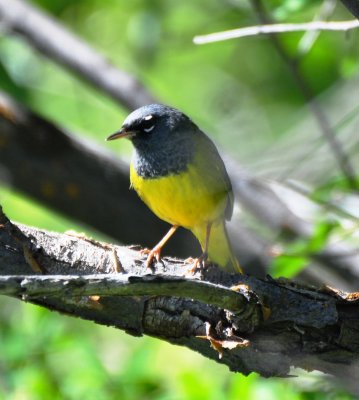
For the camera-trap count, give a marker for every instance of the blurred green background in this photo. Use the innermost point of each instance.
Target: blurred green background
(239, 91)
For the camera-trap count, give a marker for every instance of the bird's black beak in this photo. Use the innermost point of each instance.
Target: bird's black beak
(122, 133)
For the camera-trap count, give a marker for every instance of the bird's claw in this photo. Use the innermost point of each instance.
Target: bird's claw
(145, 251)
(198, 263)
(151, 254)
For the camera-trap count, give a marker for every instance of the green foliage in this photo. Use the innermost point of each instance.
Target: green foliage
(297, 254)
(45, 355)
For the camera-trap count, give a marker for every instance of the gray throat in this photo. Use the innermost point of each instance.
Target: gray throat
(165, 159)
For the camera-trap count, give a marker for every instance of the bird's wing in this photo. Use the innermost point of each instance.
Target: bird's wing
(215, 173)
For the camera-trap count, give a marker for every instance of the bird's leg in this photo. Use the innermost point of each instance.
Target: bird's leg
(156, 251)
(200, 262)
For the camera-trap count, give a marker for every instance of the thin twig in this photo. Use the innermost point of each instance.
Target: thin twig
(308, 39)
(325, 127)
(276, 28)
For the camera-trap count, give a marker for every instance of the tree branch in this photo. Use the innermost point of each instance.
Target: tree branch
(276, 28)
(307, 41)
(342, 159)
(33, 286)
(53, 40)
(257, 325)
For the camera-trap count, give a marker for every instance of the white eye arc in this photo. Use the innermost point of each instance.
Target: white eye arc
(147, 123)
(149, 129)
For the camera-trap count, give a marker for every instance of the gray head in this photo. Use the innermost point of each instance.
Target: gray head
(154, 124)
(162, 137)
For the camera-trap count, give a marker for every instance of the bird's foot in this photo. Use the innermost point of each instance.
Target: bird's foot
(145, 251)
(151, 254)
(198, 263)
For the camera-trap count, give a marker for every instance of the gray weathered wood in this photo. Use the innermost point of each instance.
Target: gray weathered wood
(257, 325)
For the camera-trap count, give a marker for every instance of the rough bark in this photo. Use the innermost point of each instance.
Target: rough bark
(249, 324)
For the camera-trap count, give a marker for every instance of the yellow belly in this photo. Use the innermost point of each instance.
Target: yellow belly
(186, 199)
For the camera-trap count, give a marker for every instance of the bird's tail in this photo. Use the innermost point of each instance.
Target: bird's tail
(219, 248)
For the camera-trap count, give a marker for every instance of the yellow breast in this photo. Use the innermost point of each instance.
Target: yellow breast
(187, 199)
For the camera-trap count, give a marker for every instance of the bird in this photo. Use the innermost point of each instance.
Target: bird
(178, 173)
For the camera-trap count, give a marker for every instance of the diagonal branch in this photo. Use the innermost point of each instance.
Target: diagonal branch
(59, 44)
(246, 323)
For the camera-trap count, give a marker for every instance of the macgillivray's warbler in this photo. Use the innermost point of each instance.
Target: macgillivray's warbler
(177, 171)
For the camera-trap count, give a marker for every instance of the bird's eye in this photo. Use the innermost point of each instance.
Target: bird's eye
(148, 123)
